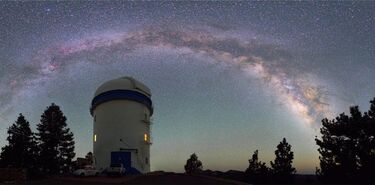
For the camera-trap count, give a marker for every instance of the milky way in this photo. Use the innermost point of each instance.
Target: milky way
(301, 95)
(227, 77)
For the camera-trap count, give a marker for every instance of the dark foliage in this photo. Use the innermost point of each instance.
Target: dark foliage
(21, 149)
(257, 172)
(56, 143)
(282, 169)
(347, 147)
(193, 165)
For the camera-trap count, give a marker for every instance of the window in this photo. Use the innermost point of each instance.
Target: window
(146, 160)
(94, 137)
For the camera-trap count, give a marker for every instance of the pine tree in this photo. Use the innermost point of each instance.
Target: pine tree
(193, 165)
(328, 151)
(282, 168)
(21, 149)
(339, 146)
(257, 172)
(367, 146)
(56, 142)
(347, 147)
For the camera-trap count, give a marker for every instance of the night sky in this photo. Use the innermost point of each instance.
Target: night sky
(227, 78)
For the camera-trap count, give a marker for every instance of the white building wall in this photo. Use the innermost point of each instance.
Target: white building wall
(121, 120)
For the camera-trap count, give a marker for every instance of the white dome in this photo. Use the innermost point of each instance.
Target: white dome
(123, 83)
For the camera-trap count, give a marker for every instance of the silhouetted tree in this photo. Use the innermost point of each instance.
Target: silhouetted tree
(347, 147)
(257, 172)
(366, 152)
(21, 149)
(282, 168)
(193, 165)
(56, 143)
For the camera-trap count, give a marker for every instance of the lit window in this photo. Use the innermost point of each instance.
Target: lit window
(94, 137)
(146, 137)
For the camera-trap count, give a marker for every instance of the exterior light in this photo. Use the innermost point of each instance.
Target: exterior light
(146, 137)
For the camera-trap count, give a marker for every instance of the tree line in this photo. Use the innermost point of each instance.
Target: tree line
(346, 148)
(48, 151)
(281, 170)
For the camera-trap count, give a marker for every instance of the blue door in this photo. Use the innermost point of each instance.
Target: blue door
(123, 158)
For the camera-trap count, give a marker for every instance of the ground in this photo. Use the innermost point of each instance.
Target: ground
(162, 178)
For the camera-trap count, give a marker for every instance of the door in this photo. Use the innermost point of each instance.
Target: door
(123, 158)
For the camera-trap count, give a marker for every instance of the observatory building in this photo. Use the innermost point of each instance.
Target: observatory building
(121, 109)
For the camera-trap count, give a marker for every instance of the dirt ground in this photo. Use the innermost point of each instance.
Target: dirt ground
(165, 179)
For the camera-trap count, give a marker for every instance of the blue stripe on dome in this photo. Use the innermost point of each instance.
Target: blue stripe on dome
(121, 95)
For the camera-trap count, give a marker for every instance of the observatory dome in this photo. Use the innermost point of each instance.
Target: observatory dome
(124, 83)
(124, 88)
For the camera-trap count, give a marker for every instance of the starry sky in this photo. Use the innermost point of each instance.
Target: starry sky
(227, 78)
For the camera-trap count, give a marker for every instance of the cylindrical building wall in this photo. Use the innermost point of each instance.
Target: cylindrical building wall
(121, 110)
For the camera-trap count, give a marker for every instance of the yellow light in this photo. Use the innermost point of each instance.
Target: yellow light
(146, 137)
(94, 137)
